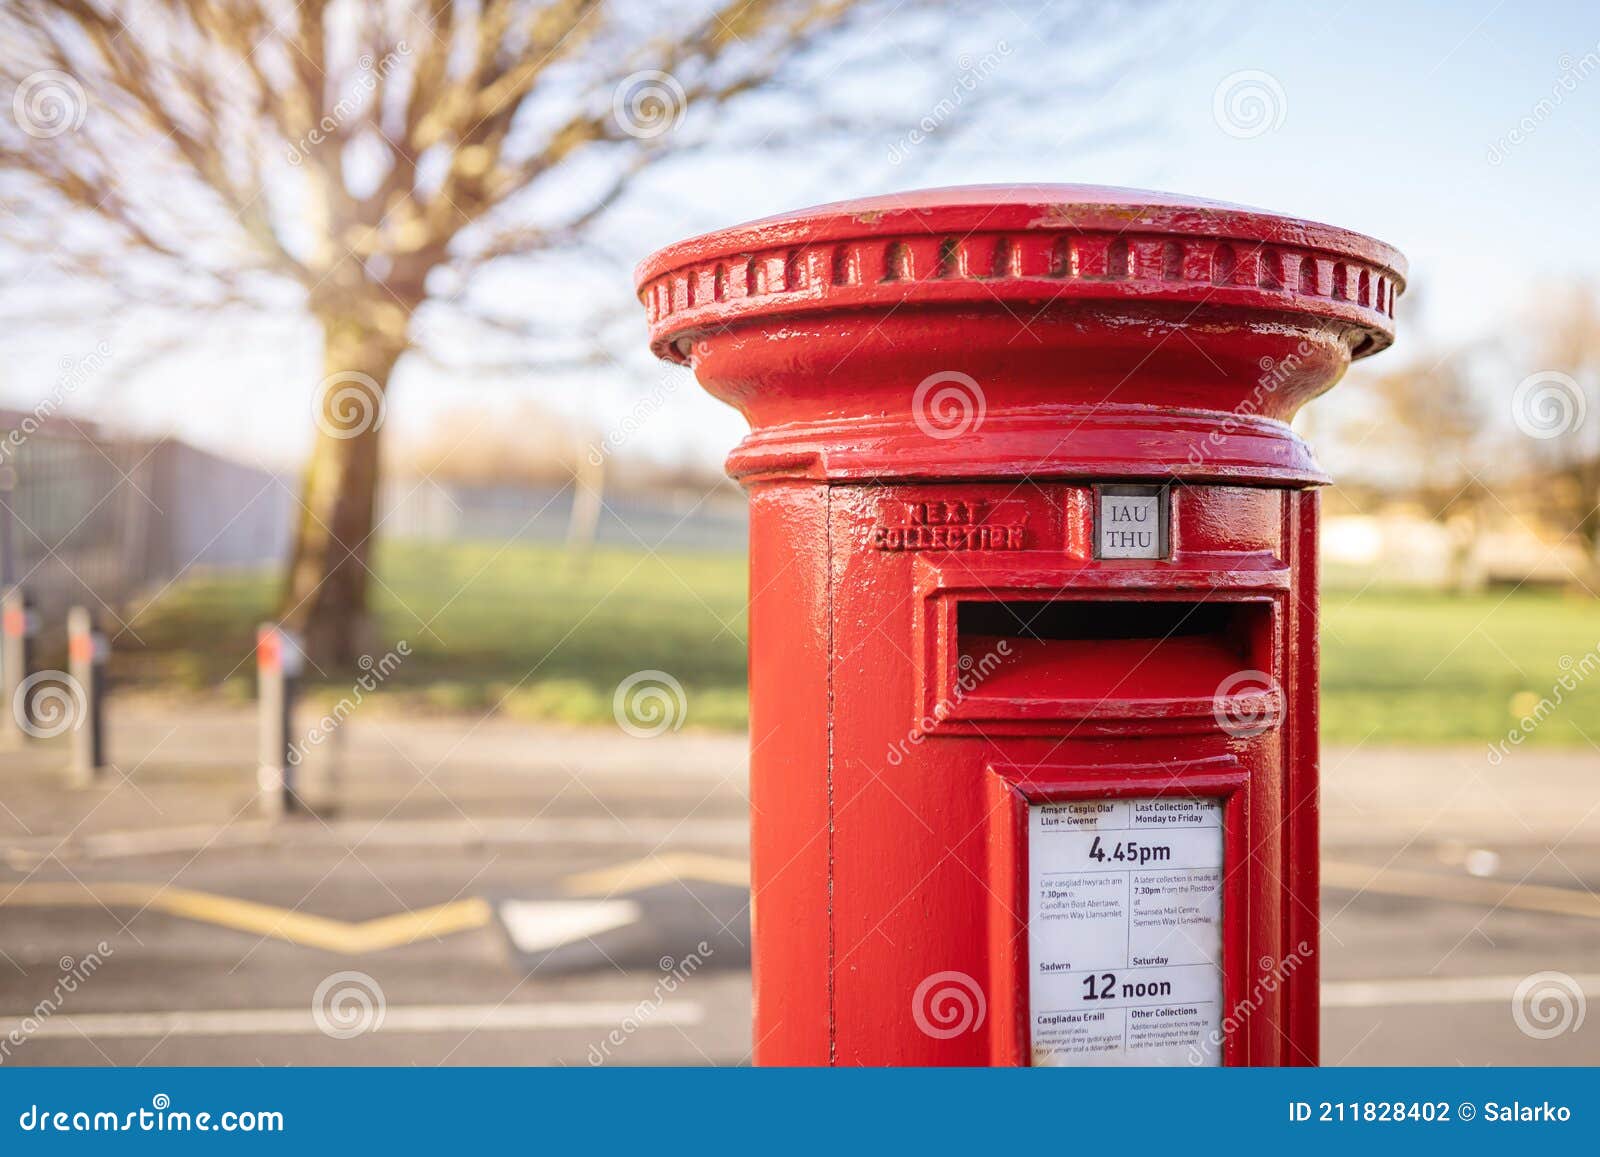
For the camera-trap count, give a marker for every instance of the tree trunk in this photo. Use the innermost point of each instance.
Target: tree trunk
(325, 595)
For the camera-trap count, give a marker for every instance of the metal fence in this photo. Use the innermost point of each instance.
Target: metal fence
(98, 520)
(656, 519)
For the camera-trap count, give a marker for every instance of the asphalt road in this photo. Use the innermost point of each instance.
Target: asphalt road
(561, 898)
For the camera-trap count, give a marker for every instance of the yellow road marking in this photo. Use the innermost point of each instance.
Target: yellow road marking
(349, 938)
(353, 938)
(1463, 889)
(637, 875)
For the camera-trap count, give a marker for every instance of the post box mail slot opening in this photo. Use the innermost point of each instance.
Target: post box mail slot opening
(1096, 659)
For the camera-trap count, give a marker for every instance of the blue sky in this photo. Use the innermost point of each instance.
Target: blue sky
(1383, 118)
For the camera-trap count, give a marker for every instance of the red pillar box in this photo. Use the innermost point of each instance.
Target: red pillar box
(1033, 615)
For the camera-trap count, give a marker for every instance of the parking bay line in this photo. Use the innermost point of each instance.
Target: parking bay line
(556, 1015)
(508, 1017)
(1359, 878)
(1341, 875)
(1435, 990)
(660, 868)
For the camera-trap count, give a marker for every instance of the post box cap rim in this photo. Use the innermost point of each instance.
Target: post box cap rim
(1026, 247)
(1012, 208)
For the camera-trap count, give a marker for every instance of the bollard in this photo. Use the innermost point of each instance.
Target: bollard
(1033, 647)
(278, 665)
(17, 628)
(88, 650)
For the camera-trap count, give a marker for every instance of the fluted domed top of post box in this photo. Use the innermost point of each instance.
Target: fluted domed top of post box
(1079, 315)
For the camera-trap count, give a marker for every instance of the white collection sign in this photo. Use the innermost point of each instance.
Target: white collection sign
(1125, 931)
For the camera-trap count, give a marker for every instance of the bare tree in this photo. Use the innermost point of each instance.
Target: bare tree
(1426, 428)
(1428, 423)
(365, 162)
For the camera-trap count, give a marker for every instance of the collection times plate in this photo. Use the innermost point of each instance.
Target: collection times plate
(1125, 931)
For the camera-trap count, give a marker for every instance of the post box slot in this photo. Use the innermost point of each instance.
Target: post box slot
(1104, 652)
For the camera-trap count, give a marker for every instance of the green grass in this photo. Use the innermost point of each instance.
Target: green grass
(519, 630)
(1429, 668)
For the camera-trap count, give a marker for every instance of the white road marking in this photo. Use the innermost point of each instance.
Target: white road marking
(1459, 889)
(27, 852)
(539, 925)
(555, 1015)
(1434, 990)
(416, 1019)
